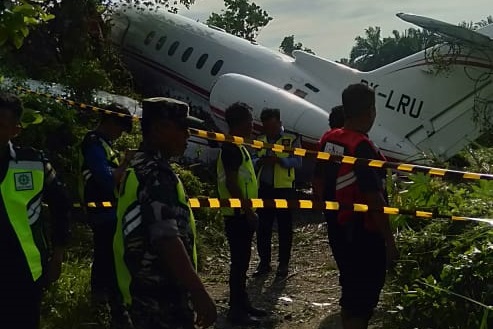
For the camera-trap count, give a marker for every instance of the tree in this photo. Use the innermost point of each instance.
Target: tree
(241, 18)
(17, 18)
(288, 45)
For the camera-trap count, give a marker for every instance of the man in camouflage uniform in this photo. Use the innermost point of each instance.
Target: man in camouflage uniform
(155, 239)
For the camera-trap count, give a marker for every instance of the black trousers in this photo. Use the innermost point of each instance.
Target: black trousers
(284, 224)
(239, 234)
(103, 276)
(361, 258)
(20, 305)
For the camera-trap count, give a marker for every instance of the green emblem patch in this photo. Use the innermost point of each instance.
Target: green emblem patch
(23, 181)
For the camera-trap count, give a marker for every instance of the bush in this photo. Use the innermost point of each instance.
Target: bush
(443, 278)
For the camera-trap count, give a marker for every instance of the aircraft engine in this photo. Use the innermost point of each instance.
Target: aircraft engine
(297, 114)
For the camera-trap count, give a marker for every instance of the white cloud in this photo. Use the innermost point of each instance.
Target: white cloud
(330, 26)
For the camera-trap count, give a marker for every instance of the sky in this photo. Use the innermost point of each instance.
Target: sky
(329, 27)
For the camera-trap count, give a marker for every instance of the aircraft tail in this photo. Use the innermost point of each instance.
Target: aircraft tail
(434, 97)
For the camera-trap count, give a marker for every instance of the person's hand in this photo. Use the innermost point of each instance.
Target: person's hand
(204, 307)
(129, 154)
(53, 268)
(252, 219)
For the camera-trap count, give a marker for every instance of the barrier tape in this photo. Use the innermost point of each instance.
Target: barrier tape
(404, 167)
(72, 103)
(305, 204)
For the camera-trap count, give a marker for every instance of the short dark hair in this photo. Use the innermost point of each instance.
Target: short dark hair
(237, 113)
(12, 103)
(357, 99)
(124, 121)
(336, 117)
(269, 113)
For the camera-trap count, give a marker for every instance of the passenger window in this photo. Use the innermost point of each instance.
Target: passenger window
(149, 37)
(217, 66)
(172, 48)
(186, 55)
(201, 61)
(160, 42)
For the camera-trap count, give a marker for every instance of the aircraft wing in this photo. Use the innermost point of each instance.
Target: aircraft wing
(449, 30)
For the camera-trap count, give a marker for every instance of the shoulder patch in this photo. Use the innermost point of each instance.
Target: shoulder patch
(334, 148)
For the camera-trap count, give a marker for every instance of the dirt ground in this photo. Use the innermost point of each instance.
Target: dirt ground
(306, 299)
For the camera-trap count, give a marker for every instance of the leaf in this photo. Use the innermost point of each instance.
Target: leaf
(17, 40)
(25, 31)
(31, 117)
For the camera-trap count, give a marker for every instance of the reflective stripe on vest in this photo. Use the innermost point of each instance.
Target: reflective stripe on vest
(246, 180)
(347, 189)
(129, 217)
(182, 198)
(21, 191)
(127, 213)
(283, 177)
(85, 174)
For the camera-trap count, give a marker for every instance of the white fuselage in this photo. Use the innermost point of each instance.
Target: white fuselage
(417, 111)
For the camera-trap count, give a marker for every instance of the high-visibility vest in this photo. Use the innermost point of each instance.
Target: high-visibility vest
(283, 177)
(21, 192)
(246, 180)
(347, 188)
(129, 217)
(85, 174)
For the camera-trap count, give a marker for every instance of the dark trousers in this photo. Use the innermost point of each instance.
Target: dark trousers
(104, 286)
(103, 278)
(361, 258)
(20, 305)
(284, 224)
(239, 234)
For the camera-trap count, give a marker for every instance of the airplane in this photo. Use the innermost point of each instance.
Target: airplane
(419, 110)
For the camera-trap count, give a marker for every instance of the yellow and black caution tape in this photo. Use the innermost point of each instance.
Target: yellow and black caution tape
(82, 106)
(404, 167)
(305, 204)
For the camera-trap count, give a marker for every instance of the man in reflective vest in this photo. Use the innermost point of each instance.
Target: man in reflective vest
(236, 179)
(26, 180)
(100, 172)
(362, 244)
(154, 243)
(276, 177)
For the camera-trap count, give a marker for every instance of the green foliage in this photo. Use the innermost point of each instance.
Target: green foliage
(17, 18)
(211, 239)
(241, 18)
(372, 51)
(67, 303)
(443, 278)
(288, 45)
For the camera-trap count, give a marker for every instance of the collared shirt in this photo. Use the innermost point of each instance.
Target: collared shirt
(101, 186)
(163, 216)
(292, 161)
(14, 265)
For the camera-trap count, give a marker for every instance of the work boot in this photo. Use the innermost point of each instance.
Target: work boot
(262, 269)
(241, 318)
(253, 311)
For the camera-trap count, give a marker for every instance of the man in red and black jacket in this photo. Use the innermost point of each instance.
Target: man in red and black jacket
(362, 243)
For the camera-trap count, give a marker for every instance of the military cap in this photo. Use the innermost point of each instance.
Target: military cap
(167, 108)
